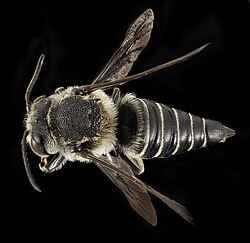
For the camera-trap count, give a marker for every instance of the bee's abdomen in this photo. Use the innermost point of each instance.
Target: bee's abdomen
(163, 131)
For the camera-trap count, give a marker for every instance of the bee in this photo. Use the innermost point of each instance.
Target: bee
(116, 132)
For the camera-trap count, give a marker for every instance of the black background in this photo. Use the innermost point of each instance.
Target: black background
(78, 37)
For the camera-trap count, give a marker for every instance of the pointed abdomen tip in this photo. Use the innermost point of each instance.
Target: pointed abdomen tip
(217, 133)
(227, 133)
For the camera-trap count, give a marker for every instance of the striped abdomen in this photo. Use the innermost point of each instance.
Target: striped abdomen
(151, 129)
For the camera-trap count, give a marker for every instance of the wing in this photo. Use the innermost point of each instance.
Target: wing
(135, 190)
(135, 40)
(136, 195)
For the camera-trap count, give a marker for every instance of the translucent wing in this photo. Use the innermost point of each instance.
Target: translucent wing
(135, 40)
(134, 189)
(136, 195)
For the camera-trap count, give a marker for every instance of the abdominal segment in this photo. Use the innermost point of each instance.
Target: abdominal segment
(150, 129)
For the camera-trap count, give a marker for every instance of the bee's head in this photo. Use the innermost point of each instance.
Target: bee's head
(37, 134)
(40, 137)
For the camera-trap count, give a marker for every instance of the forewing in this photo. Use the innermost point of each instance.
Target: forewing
(136, 194)
(136, 38)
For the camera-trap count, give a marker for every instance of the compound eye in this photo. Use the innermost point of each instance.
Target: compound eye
(37, 145)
